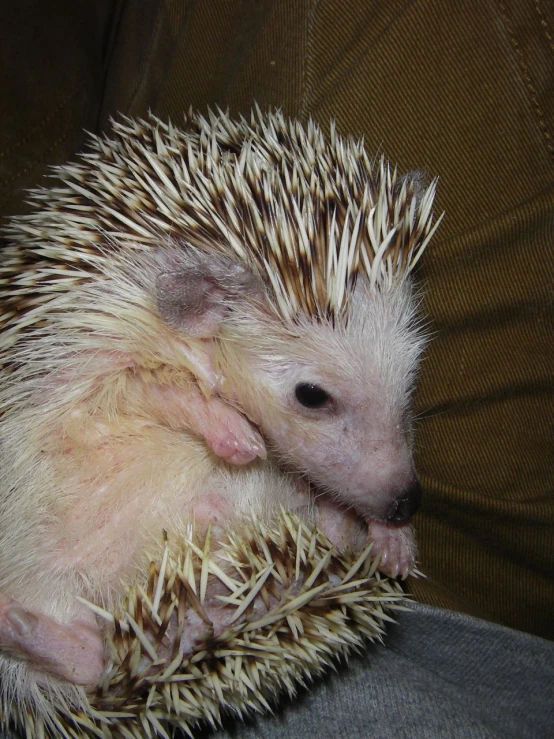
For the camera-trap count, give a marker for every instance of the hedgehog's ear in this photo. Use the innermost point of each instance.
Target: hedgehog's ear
(190, 302)
(196, 299)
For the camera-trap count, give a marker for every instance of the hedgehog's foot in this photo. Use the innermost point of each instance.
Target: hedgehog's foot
(394, 544)
(72, 652)
(396, 547)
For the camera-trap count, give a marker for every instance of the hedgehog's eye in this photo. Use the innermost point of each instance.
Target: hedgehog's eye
(311, 396)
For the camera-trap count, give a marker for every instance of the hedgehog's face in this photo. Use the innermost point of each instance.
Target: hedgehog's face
(341, 434)
(334, 402)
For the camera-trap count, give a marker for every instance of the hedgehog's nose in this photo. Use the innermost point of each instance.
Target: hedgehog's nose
(406, 504)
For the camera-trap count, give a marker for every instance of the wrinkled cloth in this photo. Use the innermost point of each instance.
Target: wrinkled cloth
(439, 674)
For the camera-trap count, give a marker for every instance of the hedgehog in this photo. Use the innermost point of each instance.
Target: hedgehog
(198, 323)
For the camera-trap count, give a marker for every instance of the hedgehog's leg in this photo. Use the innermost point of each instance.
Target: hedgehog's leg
(72, 652)
(193, 295)
(341, 525)
(396, 547)
(227, 432)
(180, 405)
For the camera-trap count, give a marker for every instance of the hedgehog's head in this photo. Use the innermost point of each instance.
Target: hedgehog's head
(333, 398)
(304, 296)
(331, 395)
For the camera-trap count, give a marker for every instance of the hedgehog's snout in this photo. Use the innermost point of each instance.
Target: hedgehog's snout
(404, 507)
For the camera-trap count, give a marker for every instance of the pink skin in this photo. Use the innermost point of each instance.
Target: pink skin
(227, 433)
(72, 652)
(234, 439)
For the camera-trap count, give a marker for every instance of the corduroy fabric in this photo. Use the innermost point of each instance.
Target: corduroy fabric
(52, 69)
(465, 91)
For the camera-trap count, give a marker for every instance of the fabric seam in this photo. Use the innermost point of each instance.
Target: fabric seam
(526, 76)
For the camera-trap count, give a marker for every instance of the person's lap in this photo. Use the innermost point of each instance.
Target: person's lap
(439, 674)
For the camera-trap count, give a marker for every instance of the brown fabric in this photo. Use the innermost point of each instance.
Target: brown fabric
(51, 82)
(463, 90)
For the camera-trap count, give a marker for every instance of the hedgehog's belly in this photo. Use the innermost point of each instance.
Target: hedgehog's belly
(121, 492)
(124, 486)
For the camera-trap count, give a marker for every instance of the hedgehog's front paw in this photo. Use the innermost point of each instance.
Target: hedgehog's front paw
(395, 545)
(231, 436)
(72, 652)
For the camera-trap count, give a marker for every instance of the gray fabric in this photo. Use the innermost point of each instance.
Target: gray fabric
(441, 674)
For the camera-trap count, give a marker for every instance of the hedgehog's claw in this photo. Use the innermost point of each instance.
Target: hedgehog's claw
(396, 547)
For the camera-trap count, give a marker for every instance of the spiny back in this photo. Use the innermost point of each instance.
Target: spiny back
(306, 213)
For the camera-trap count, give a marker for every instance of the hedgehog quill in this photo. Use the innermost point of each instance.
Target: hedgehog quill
(198, 325)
